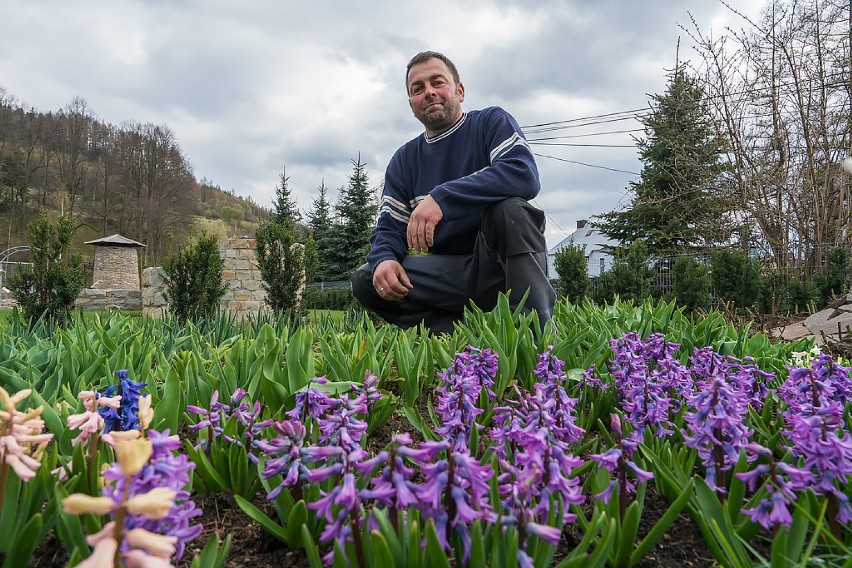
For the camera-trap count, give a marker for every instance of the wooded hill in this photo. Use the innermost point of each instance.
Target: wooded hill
(131, 179)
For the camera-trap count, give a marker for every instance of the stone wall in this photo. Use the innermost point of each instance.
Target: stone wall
(95, 299)
(116, 268)
(245, 295)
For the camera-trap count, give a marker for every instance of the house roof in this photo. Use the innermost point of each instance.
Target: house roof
(115, 241)
(588, 237)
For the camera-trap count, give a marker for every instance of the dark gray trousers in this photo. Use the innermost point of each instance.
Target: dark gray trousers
(510, 254)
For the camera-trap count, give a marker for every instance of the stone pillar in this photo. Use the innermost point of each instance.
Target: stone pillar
(116, 268)
(153, 292)
(245, 295)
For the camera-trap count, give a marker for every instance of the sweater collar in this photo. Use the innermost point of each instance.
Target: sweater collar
(448, 132)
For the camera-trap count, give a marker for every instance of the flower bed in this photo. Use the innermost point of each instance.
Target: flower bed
(501, 445)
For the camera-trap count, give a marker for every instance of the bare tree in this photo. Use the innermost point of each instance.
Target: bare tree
(74, 137)
(158, 187)
(780, 89)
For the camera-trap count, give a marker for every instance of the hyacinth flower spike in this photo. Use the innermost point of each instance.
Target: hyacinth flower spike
(131, 456)
(715, 421)
(22, 440)
(618, 461)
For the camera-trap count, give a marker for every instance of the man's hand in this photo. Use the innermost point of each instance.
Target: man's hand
(390, 281)
(421, 225)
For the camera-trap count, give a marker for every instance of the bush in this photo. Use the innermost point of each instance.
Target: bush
(691, 283)
(773, 297)
(50, 286)
(193, 277)
(800, 296)
(834, 280)
(630, 276)
(331, 299)
(285, 265)
(573, 271)
(735, 278)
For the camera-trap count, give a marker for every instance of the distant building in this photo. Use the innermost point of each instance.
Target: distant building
(116, 263)
(594, 244)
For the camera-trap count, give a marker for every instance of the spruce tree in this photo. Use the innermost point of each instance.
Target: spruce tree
(284, 205)
(321, 226)
(356, 215)
(675, 205)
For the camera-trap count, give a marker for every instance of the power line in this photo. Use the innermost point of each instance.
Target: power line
(631, 114)
(558, 226)
(567, 136)
(585, 164)
(606, 115)
(575, 145)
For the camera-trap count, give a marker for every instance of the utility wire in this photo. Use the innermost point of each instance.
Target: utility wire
(575, 145)
(585, 164)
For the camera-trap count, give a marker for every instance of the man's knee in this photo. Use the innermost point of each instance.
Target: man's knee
(362, 283)
(513, 226)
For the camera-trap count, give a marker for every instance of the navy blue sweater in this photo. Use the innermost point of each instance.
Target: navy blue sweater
(484, 158)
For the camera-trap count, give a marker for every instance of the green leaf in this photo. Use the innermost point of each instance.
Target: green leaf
(627, 537)
(602, 551)
(718, 531)
(437, 556)
(298, 517)
(24, 543)
(262, 519)
(798, 532)
(413, 547)
(212, 479)
(168, 408)
(214, 554)
(340, 560)
(68, 527)
(391, 538)
(383, 556)
(238, 464)
(660, 528)
(311, 548)
(419, 425)
(477, 545)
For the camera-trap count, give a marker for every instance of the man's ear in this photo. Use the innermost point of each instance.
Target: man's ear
(461, 92)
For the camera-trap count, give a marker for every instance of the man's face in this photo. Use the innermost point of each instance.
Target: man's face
(434, 96)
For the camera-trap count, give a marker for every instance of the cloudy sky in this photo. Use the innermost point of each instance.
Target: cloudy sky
(251, 86)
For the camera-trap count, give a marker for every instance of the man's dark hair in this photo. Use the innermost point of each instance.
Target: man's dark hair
(425, 56)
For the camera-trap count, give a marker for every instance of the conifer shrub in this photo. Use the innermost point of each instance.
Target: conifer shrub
(801, 295)
(340, 299)
(193, 277)
(834, 280)
(774, 295)
(49, 286)
(572, 268)
(736, 278)
(691, 283)
(630, 277)
(286, 265)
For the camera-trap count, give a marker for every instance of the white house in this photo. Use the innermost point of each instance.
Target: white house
(594, 244)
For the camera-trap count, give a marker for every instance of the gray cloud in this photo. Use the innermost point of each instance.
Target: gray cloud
(248, 87)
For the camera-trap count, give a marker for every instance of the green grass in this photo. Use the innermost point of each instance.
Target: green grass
(322, 315)
(316, 316)
(5, 317)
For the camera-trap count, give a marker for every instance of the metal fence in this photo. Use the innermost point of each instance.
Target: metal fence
(8, 268)
(325, 286)
(801, 270)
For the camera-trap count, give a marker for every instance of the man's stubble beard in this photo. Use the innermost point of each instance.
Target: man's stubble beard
(444, 119)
